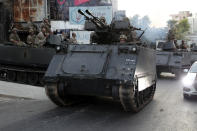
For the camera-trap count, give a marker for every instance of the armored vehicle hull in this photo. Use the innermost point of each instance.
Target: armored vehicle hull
(193, 54)
(124, 72)
(24, 64)
(173, 62)
(193, 57)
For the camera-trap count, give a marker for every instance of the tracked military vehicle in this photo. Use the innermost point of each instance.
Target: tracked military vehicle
(123, 71)
(26, 64)
(172, 60)
(193, 54)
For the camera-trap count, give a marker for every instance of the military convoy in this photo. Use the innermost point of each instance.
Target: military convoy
(169, 59)
(122, 71)
(114, 65)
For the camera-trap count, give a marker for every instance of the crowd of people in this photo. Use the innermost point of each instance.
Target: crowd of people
(37, 36)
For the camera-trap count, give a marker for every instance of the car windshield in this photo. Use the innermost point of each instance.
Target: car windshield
(193, 68)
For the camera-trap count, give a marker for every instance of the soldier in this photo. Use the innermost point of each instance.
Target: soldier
(183, 45)
(31, 37)
(46, 24)
(102, 18)
(41, 37)
(15, 38)
(63, 36)
(176, 44)
(32, 25)
(73, 40)
(123, 39)
(171, 34)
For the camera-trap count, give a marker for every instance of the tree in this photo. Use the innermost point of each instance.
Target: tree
(135, 20)
(171, 23)
(145, 22)
(182, 28)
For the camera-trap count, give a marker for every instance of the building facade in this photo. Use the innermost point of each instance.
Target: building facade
(181, 15)
(193, 24)
(115, 5)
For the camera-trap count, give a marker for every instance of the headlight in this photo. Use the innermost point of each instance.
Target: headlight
(134, 49)
(187, 83)
(58, 48)
(189, 80)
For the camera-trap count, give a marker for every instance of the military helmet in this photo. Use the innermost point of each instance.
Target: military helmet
(123, 37)
(31, 30)
(102, 18)
(14, 29)
(45, 18)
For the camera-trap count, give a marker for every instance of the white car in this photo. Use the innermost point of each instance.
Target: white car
(190, 82)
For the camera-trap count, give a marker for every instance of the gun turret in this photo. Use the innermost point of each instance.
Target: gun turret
(86, 17)
(94, 20)
(143, 31)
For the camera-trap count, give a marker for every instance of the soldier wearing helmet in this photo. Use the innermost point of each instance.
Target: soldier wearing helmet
(183, 45)
(102, 18)
(123, 38)
(41, 37)
(14, 38)
(46, 24)
(176, 44)
(32, 25)
(31, 37)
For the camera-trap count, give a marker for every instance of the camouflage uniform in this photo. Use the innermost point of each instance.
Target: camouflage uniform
(176, 45)
(47, 26)
(40, 39)
(15, 38)
(183, 45)
(33, 26)
(31, 38)
(102, 18)
(73, 40)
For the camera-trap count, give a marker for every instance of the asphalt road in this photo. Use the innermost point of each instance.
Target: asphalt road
(167, 112)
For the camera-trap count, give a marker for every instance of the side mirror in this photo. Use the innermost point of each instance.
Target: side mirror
(186, 70)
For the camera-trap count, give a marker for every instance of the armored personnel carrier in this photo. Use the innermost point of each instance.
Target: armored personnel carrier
(172, 60)
(26, 64)
(22, 64)
(193, 54)
(123, 71)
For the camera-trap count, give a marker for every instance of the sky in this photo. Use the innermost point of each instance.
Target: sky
(159, 11)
